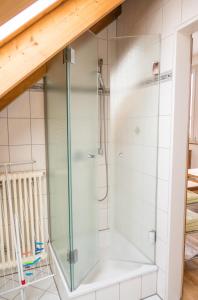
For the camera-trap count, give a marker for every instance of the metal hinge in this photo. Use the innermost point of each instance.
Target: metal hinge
(69, 55)
(72, 256)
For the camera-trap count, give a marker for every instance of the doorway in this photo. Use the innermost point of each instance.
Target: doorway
(190, 286)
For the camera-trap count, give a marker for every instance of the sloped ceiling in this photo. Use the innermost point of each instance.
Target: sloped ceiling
(35, 46)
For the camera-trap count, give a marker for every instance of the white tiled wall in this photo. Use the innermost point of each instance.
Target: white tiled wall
(134, 120)
(149, 17)
(22, 136)
(133, 289)
(103, 45)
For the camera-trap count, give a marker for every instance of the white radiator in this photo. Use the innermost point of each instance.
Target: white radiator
(28, 203)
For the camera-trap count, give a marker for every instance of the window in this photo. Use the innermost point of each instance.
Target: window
(18, 22)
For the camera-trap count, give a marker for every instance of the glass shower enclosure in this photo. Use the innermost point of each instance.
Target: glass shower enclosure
(134, 122)
(72, 122)
(71, 110)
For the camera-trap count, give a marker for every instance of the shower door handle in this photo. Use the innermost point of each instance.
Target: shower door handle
(90, 155)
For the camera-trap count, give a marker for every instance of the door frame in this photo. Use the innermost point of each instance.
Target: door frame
(178, 159)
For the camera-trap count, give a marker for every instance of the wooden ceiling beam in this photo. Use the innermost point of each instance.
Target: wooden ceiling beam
(32, 48)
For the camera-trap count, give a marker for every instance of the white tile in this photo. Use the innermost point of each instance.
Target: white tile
(103, 218)
(154, 6)
(112, 30)
(38, 131)
(104, 238)
(38, 155)
(167, 53)
(19, 131)
(101, 191)
(149, 159)
(162, 225)
(3, 281)
(4, 154)
(20, 154)
(163, 163)
(165, 98)
(130, 290)
(4, 113)
(11, 284)
(154, 22)
(171, 16)
(161, 254)
(110, 293)
(20, 107)
(37, 104)
(164, 131)
(189, 9)
(149, 285)
(102, 50)
(101, 176)
(162, 195)
(139, 27)
(161, 284)
(87, 297)
(3, 131)
(104, 203)
(102, 34)
(47, 285)
(31, 293)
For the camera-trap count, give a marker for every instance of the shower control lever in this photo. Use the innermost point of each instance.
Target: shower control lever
(90, 155)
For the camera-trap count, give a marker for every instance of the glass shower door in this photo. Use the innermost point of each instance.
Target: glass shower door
(134, 148)
(57, 156)
(82, 145)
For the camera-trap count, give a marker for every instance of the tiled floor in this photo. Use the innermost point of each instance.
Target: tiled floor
(44, 290)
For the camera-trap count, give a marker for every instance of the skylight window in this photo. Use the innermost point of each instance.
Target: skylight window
(24, 17)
